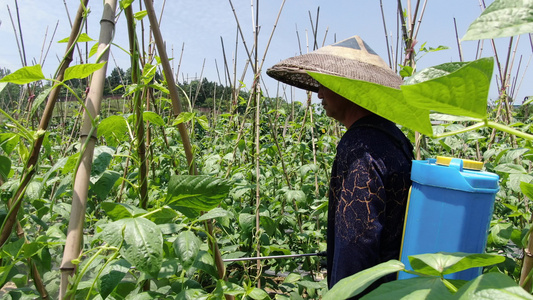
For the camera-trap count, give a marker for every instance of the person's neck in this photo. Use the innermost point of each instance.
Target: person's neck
(356, 115)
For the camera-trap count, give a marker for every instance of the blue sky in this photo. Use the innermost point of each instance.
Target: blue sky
(200, 24)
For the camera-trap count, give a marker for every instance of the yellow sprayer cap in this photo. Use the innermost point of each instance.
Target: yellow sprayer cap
(467, 164)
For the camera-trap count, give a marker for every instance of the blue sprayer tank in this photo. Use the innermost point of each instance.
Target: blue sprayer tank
(449, 210)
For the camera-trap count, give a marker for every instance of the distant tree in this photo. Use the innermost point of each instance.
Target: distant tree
(116, 78)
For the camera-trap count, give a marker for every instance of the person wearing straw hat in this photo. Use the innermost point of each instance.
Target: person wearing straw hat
(370, 176)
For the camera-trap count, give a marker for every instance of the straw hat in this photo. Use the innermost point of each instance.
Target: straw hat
(351, 58)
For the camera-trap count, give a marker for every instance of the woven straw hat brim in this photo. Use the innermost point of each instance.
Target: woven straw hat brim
(293, 71)
(350, 58)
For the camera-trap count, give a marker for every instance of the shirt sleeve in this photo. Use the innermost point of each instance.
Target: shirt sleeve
(359, 216)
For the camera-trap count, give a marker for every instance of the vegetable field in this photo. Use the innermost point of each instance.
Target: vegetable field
(137, 186)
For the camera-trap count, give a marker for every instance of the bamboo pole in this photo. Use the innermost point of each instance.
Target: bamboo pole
(88, 140)
(167, 69)
(15, 203)
(176, 109)
(257, 99)
(138, 108)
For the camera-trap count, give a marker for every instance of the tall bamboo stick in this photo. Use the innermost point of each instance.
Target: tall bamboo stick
(16, 202)
(176, 109)
(88, 140)
(138, 107)
(167, 69)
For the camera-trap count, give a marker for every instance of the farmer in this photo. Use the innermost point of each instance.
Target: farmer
(370, 177)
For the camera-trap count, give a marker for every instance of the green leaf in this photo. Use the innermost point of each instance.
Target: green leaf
(81, 71)
(141, 240)
(202, 120)
(460, 92)
(434, 72)
(6, 273)
(169, 268)
(384, 101)
(192, 294)
(442, 263)
(160, 87)
(192, 194)
(116, 211)
(8, 141)
(205, 262)
(500, 234)
(187, 246)
(83, 38)
(105, 183)
(527, 189)
(510, 168)
(502, 18)
(5, 167)
(406, 71)
(492, 286)
(111, 276)
(32, 248)
(228, 288)
(475, 260)
(515, 179)
(450, 118)
(292, 278)
(101, 158)
(309, 168)
(512, 154)
(2, 86)
(139, 15)
(313, 284)
(94, 50)
(257, 294)
(34, 190)
(24, 75)
(153, 118)
(183, 118)
(125, 3)
(162, 216)
(269, 225)
(113, 128)
(170, 228)
(148, 73)
(355, 284)
(246, 222)
(13, 248)
(216, 212)
(40, 99)
(297, 195)
(70, 164)
(414, 288)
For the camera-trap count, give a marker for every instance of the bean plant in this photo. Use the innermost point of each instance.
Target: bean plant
(166, 211)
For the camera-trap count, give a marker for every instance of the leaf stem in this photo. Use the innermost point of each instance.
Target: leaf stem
(509, 130)
(464, 130)
(449, 285)
(25, 131)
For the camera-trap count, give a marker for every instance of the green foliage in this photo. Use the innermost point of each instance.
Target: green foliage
(388, 102)
(162, 246)
(193, 194)
(140, 242)
(355, 284)
(431, 284)
(81, 71)
(24, 75)
(452, 88)
(502, 18)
